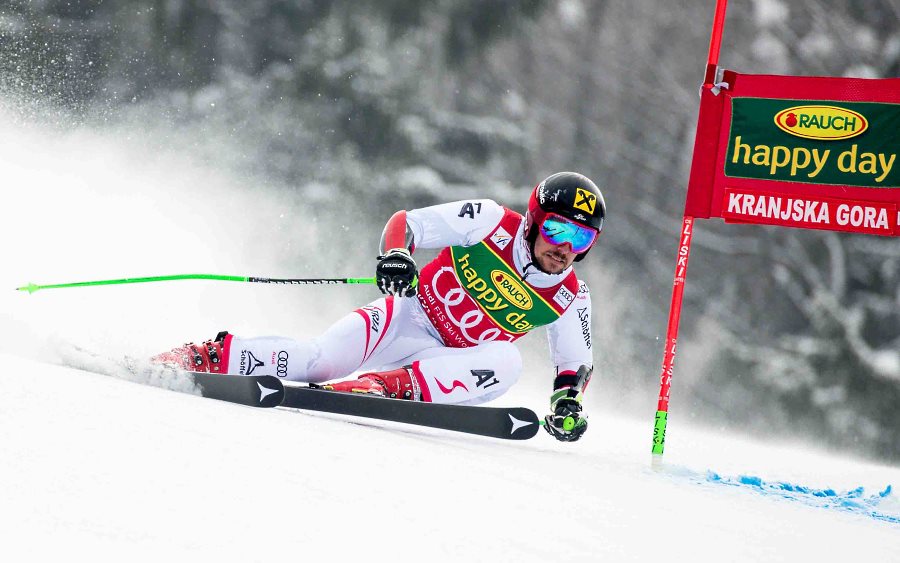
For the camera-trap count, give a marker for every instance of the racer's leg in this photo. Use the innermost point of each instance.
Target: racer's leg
(382, 329)
(466, 376)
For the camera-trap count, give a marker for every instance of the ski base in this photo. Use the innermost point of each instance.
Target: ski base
(515, 423)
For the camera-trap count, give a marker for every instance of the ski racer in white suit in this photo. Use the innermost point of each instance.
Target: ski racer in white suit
(444, 334)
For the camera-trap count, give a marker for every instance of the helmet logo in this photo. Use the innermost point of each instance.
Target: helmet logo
(585, 200)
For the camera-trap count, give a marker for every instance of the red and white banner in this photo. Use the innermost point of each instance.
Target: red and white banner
(810, 212)
(806, 152)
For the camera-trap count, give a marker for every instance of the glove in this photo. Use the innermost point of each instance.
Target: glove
(566, 422)
(396, 273)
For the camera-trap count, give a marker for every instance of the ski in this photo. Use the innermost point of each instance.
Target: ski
(515, 423)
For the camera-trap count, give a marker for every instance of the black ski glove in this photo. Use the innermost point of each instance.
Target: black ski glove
(566, 423)
(396, 273)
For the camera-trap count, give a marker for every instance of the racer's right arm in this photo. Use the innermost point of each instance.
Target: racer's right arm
(460, 223)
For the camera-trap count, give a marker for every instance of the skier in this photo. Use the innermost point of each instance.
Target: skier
(444, 334)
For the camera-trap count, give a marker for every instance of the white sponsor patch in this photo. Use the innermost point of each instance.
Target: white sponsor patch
(501, 238)
(563, 296)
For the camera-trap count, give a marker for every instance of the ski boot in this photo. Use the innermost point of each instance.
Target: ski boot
(209, 357)
(395, 384)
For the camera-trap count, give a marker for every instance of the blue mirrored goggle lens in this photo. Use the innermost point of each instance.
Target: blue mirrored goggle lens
(558, 231)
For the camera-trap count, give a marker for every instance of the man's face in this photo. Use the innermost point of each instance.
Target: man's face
(553, 258)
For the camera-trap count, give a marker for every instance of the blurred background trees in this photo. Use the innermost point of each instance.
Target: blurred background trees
(404, 103)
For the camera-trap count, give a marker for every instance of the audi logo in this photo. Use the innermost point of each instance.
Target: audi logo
(281, 366)
(469, 319)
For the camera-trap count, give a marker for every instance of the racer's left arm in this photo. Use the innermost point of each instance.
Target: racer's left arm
(571, 352)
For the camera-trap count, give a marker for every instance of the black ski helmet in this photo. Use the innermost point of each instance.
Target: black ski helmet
(570, 195)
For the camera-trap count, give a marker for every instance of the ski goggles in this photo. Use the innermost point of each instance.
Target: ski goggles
(558, 230)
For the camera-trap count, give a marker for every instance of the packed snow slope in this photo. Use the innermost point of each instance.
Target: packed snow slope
(111, 470)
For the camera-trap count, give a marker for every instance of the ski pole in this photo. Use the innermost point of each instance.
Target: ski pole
(31, 287)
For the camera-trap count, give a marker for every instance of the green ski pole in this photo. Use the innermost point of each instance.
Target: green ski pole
(31, 287)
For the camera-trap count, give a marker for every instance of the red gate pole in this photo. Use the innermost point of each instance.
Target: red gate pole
(684, 252)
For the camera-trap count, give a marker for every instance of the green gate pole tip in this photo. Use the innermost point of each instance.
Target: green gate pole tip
(30, 288)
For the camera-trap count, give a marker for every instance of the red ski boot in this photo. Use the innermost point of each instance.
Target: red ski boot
(211, 356)
(396, 384)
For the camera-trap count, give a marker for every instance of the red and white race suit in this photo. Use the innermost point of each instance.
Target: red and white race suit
(475, 298)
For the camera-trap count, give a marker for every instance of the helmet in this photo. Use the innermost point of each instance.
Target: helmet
(567, 194)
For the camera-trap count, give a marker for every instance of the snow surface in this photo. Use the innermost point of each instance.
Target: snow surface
(99, 468)
(112, 470)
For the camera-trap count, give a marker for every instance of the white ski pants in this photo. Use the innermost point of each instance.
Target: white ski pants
(385, 334)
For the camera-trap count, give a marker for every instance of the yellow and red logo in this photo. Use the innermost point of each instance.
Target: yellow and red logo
(511, 289)
(822, 123)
